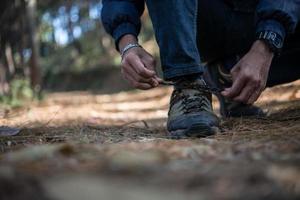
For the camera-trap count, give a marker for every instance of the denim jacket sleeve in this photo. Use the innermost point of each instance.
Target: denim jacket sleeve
(120, 17)
(279, 16)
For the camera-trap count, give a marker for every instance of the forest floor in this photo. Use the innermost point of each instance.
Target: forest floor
(81, 145)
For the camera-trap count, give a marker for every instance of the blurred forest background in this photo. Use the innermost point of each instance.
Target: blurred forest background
(56, 45)
(82, 142)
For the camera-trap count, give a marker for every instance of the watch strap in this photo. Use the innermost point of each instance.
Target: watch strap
(272, 39)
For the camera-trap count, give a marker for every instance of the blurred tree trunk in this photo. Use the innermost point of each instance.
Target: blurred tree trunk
(69, 4)
(3, 81)
(35, 74)
(22, 43)
(10, 60)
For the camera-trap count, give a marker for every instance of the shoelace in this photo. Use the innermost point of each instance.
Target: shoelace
(202, 88)
(195, 104)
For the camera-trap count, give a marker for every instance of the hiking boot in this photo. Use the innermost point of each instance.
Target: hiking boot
(191, 113)
(218, 75)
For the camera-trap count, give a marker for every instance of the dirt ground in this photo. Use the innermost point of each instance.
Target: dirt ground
(80, 145)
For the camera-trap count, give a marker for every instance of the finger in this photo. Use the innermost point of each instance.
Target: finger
(154, 82)
(246, 93)
(254, 96)
(138, 85)
(260, 88)
(140, 68)
(159, 79)
(235, 89)
(136, 77)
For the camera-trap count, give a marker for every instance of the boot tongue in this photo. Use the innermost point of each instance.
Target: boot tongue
(187, 82)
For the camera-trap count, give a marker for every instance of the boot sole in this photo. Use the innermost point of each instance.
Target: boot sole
(196, 131)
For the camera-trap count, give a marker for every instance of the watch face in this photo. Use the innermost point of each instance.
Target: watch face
(272, 36)
(278, 43)
(275, 39)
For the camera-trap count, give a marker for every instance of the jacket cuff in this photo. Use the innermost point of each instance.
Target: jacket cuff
(271, 25)
(123, 29)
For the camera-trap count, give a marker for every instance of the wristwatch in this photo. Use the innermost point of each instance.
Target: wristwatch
(272, 39)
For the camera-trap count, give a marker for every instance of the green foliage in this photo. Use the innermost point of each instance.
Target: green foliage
(83, 54)
(20, 92)
(66, 38)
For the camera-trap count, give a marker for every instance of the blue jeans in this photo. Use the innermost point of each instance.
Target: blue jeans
(187, 29)
(175, 25)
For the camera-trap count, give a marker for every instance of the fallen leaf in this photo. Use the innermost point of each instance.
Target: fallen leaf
(8, 131)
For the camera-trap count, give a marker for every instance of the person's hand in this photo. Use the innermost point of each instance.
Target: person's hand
(138, 66)
(250, 74)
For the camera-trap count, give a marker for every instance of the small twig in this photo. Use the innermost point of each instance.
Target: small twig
(51, 119)
(132, 122)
